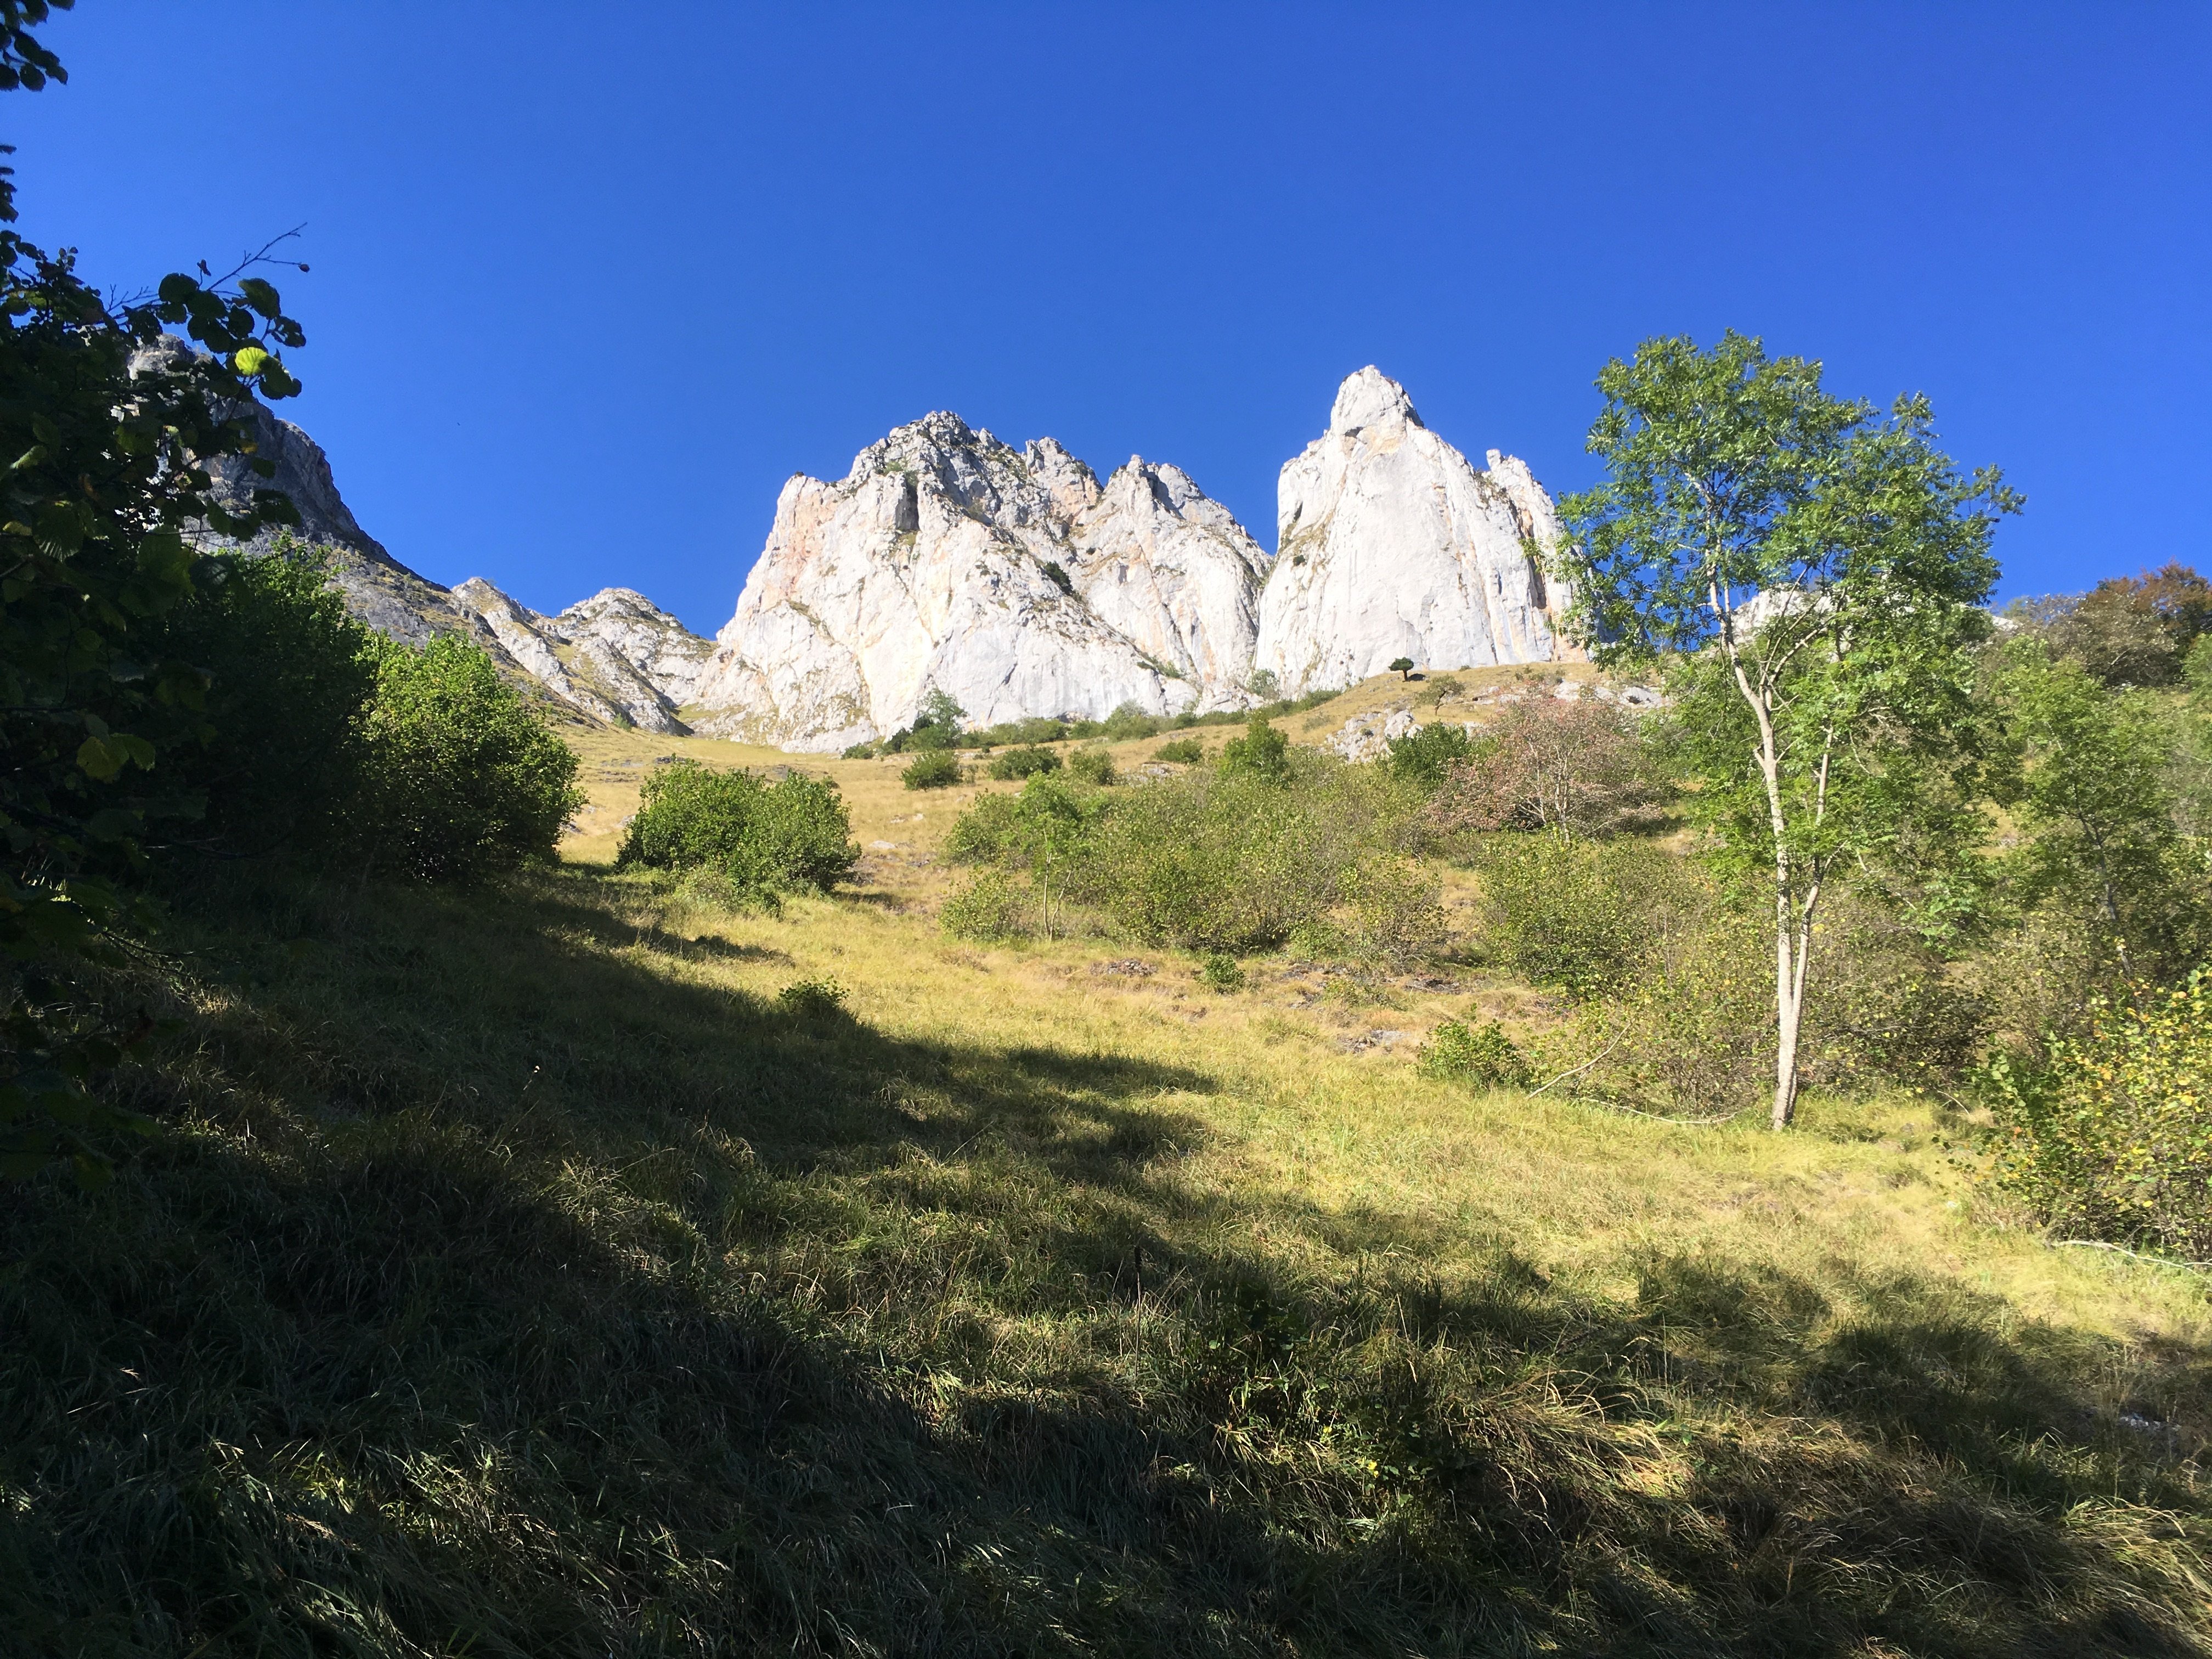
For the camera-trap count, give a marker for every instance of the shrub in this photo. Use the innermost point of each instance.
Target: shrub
(1582, 915)
(1047, 821)
(2112, 1138)
(1184, 752)
(1573, 767)
(812, 999)
(1264, 685)
(1481, 1056)
(290, 675)
(792, 833)
(933, 769)
(1262, 752)
(463, 778)
(1023, 763)
(1092, 766)
(860, 751)
(2127, 630)
(1397, 910)
(1695, 1036)
(1214, 862)
(1424, 755)
(989, 908)
(1218, 971)
(1888, 1007)
(1130, 721)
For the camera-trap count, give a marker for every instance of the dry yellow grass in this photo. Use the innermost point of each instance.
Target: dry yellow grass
(1323, 1102)
(522, 1272)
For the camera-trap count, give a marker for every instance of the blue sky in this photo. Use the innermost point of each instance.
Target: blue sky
(589, 283)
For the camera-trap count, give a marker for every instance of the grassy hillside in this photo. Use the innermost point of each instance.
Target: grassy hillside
(522, 1274)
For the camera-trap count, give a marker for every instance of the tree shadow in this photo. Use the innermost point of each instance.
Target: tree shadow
(522, 1299)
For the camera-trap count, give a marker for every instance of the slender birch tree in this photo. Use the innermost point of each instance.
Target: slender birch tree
(1811, 570)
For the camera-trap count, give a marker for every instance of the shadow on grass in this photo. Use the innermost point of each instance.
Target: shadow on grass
(495, 1292)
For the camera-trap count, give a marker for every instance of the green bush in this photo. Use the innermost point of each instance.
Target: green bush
(1396, 909)
(989, 908)
(812, 999)
(1218, 971)
(1184, 752)
(1023, 763)
(1693, 1035)
(1051, 820)
(794, 832)
(1582, 915)
(2110, 1138)
(1422, 758)
(934, 768)
(1130, 721)
(1092, 766)
(283, 754)
(1481, 1056)
(1885, 1007)
(1262, 752)
(463, 778)
(1212, 861)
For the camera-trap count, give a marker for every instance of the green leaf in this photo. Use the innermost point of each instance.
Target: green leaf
(99, 760)
(249, 360)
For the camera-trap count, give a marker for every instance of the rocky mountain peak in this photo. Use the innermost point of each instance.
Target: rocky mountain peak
(947, 561)
(1370, 398)
(1391, 544)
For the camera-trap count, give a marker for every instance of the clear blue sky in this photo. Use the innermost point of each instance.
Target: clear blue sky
(590, 281)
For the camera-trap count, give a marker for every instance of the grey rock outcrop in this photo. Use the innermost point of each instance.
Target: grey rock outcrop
(384, 594)
(1391, 544)
(1013, 581)
(615, 656)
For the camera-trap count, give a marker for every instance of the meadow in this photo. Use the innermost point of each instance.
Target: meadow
(584, 1265)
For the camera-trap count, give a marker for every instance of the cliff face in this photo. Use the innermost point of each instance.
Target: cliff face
(1013, 581)
(615, 656)
(945, 560)
(1391, 544)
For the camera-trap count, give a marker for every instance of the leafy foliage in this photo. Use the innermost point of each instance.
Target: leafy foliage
(1027, 761)
(1262, 752)
(2087, 775)
(1218, 971)
(1184, 752)
(281, 757)
(1571, 768)
(1094, 766)
(933, 769)
(769, 837)
(1582, 915)
(104, 480)
(2126, 630)
(1481, 1056)
(989, 907)
(812, 999)
(1816, 570)
(1424, 755)
(2111, 1137)
(466, 780)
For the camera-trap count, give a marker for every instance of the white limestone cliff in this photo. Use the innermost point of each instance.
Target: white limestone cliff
(946, 561)
(1390, 545)
(615, 656)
